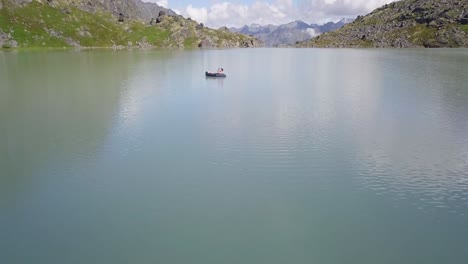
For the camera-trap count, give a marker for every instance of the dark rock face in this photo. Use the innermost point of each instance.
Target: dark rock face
(464, 19)
(404, 24)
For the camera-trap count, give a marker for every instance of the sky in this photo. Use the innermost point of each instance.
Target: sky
(237, 13)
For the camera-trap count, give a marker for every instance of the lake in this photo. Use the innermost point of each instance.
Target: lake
(298, 156)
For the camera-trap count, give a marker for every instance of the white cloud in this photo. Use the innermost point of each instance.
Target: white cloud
(279, 12)
(163, 3)
(198, 14)
(311, 32)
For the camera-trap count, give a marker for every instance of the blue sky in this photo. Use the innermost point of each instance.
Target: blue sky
(217, 13)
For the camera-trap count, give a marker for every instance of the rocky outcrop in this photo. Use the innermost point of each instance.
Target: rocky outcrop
(189, 33)
(125, 9)
(403, 24)
(7, 41)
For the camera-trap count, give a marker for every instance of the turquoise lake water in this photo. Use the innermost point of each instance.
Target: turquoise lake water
(298, 156)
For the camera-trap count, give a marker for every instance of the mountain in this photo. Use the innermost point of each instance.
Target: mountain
(106, 23)
(287, 34)
(403, 24)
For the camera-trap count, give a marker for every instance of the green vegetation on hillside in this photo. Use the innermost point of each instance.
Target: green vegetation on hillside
(41, 25)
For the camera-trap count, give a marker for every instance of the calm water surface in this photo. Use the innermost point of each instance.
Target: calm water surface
(298, 156)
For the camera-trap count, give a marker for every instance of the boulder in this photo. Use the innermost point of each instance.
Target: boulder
(121, 17)
(418, 9)
(464, 20)
(161, 13)
(199, 26)
(435, 43)
(433, 24)
(65, 10)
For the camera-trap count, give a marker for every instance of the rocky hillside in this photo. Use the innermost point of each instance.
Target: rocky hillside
(288, 34)
(404, 24)
(106, 23)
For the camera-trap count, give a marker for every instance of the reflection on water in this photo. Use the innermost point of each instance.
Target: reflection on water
(408, 142)
(299, 155)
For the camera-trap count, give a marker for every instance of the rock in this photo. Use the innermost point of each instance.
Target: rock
(418, 10)
(199, 26)
(121, 18)
(161, 13)
(464, 21)
(84, 32)
(144, 44)
(435, 43)
(153, 21)
(65, 10)
(7, 41)
(205, 43)
(72, 42)
(401, 43)
(53, 33)
(421, 20)
(433, 24)
(248, 44)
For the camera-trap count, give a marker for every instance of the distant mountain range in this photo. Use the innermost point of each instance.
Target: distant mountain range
(288, 34)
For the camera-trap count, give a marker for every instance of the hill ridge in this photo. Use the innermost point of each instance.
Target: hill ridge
(403, 24)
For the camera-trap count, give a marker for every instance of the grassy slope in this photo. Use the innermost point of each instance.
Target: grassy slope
(31, 26)
(41, 25)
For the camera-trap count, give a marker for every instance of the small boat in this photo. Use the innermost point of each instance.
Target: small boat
(214, 74)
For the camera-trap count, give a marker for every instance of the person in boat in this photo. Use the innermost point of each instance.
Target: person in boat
(220, 70)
